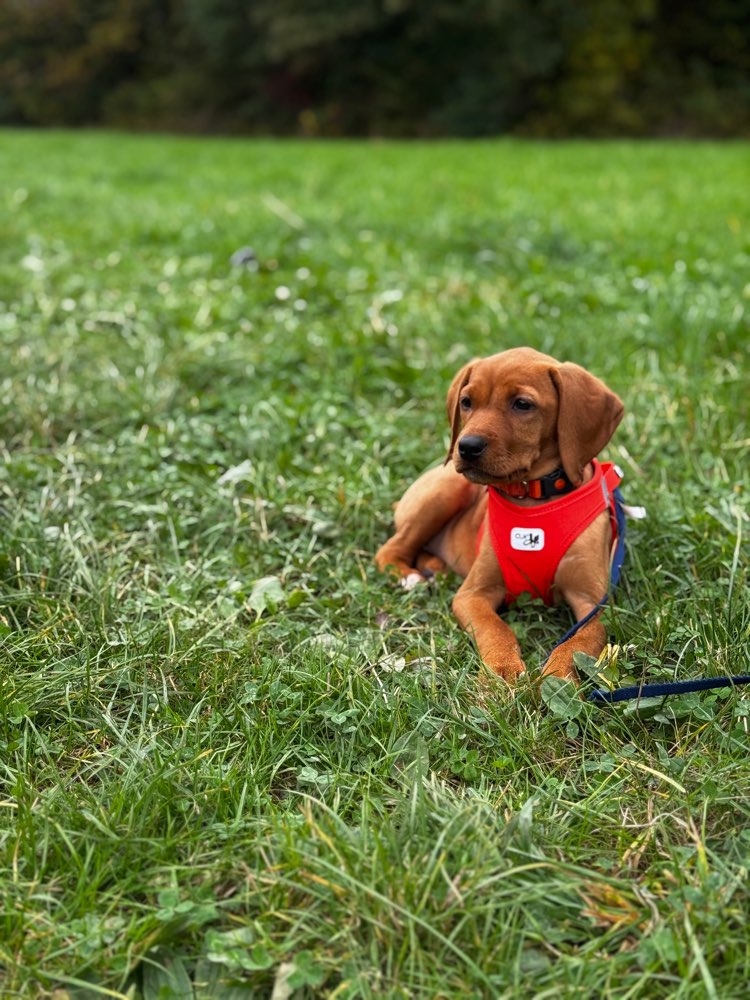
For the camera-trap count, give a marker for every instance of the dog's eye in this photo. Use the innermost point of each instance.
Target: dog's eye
(465, 403)
(523, 405)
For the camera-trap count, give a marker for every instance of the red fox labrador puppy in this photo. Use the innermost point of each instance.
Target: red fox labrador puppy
(521, 504)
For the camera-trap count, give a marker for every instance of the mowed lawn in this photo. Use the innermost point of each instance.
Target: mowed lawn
(234, 760)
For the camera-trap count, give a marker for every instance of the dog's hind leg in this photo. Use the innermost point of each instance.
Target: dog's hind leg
(423, 511)
(430, 565)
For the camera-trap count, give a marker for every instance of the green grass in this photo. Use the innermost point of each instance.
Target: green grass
(236, 787)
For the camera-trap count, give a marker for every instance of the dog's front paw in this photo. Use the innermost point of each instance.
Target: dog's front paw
(509, 669)
(492, 685)
(560, 664)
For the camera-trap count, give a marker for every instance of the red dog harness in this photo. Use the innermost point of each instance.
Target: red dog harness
(529, 542)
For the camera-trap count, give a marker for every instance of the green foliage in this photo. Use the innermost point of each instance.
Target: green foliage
(403, 67)
(234, 759)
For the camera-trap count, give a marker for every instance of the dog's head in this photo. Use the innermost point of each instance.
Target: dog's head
(520, 414)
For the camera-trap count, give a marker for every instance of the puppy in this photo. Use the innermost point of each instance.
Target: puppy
(520, 505)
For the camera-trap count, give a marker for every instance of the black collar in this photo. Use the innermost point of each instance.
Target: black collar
(554, 484)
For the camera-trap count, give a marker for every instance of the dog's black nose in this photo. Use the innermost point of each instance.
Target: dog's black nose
(471, 446)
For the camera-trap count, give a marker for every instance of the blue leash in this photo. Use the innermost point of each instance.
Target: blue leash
(602, 696)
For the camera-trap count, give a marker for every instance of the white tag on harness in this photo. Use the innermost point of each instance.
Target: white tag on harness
(527, 539)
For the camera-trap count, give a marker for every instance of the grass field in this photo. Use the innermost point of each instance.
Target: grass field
(234, 760)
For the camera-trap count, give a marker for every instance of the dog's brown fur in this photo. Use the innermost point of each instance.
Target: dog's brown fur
(572, 417)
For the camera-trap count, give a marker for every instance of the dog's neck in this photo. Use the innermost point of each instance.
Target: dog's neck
(548, 487)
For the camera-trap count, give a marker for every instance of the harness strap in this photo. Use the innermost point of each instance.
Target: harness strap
(618, 558)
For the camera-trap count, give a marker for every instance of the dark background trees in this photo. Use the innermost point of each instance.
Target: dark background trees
(380, 67)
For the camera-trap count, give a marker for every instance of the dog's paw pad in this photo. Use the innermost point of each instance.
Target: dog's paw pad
(411, 581)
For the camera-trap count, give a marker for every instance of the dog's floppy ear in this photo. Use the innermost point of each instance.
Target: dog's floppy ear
(453, 405)
(587, 416)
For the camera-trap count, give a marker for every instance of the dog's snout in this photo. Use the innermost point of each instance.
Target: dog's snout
(471, 446)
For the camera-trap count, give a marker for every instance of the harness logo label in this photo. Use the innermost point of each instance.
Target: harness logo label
(527, 539)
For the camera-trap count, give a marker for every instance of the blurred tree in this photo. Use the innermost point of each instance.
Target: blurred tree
(393, 67)
(608, 43)
(60, 58)
(699, 78)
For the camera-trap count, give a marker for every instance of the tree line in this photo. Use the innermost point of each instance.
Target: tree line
(380, 67)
